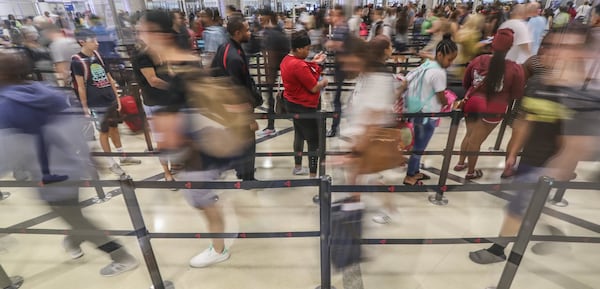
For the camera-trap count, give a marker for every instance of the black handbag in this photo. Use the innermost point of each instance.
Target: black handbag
(346, 233)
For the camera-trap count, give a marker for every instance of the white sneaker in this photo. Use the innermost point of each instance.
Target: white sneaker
(266, 132)
(300, 171)
(209, 257)
(73, 250)
(115, 268)
(384, 217)
(117, 170)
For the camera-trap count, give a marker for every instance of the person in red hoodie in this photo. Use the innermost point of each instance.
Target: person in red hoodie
(302, 89)
(571, 9)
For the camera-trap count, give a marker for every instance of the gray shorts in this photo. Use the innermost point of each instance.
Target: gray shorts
(199, 198)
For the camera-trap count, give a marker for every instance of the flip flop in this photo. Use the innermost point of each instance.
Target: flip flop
(459, 167)
(416, 183)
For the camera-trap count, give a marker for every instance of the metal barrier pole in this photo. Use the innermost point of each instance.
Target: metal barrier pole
(325, 217)
(101, 197)
(559, 198)
(322, 127)
(500, 135)
(438, 198)
(142, 115)
(142, 235)
(503, 126)
(530, 219)
(9, 282)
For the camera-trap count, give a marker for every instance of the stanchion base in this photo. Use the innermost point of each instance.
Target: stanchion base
(492, 149)
(4, 195)
(442, 202)
(316, 199)
(562, 203)
(319, 287)
(107, 198)
(168, 285)
(17, 282)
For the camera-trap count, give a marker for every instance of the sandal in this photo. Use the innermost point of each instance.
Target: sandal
(475, 175)
(412, 181)
(422, 176)
(459, 167)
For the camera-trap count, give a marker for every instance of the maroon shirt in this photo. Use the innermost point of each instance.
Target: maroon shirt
(513, 83)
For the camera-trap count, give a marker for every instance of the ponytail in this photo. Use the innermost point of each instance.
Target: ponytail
(495, 76)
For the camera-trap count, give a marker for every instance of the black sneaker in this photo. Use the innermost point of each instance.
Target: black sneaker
(332, 133)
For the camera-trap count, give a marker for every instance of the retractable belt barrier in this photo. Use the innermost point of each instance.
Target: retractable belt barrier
(128, 186)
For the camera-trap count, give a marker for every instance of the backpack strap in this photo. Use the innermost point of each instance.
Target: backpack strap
(419, 76)
(86, 69)
(100, 59)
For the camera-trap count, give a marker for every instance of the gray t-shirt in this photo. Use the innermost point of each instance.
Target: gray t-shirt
(62, 49)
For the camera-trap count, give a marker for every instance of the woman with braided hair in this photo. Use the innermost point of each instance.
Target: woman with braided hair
(492, 82)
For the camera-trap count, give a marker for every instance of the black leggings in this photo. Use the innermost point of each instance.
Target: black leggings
(305, 130)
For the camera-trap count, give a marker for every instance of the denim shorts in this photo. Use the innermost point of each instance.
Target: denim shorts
(520, 200)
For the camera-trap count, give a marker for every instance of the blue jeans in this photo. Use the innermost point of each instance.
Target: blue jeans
(424, 128)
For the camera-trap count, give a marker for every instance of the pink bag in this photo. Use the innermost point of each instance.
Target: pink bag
(450, 99)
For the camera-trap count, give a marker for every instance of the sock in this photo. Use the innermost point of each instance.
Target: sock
(111, 161)
(496, 249)
(120, 150)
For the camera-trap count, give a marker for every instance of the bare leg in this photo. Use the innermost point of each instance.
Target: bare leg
(115, 136)
(104, 142)
(520, 131)
(481, 130)
(465, 142)
(216, 224)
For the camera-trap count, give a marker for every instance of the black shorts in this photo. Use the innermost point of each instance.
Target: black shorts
(105, 117)
(583, 110)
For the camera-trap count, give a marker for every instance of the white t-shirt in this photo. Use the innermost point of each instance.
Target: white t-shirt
(374, 92)
(522, 35)
(354, 24)
(436, 81)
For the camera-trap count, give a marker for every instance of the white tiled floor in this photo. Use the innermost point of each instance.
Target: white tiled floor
(294, 262)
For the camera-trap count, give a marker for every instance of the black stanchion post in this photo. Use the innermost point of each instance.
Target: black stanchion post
(500, 135)
(101, 197)
(532, 215)
(503, 126)
(559, 198)
(325, 217)
(142, 235)
(322, 127)
(142, 115)
(438, 198)
(322, 124)
(9, 282)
